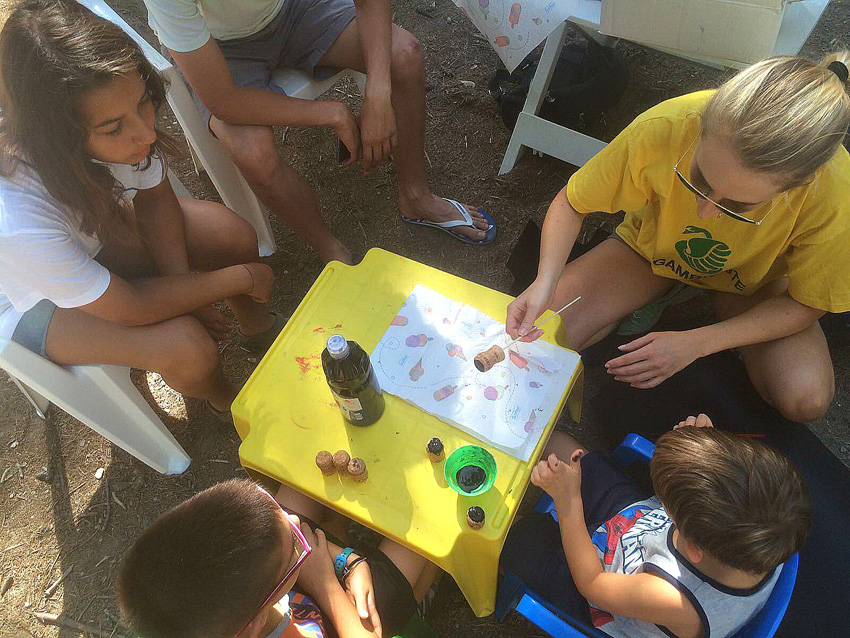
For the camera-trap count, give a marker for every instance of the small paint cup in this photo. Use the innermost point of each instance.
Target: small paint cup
(470, 470)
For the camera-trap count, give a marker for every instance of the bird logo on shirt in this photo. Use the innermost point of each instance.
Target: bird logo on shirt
(703, 254)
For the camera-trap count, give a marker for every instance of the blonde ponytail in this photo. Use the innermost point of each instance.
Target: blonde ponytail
(784, 115)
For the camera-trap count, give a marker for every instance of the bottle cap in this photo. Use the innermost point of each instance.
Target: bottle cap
(338, 347)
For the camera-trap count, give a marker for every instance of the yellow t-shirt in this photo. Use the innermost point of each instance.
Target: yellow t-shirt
(806, 237)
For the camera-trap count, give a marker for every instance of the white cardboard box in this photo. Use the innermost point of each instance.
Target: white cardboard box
(739, 30)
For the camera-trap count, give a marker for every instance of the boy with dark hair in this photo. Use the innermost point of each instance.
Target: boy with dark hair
(699, 559)
(223, 564)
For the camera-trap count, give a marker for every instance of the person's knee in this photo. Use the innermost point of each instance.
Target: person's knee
(240, 240)
(406, 58)
(806, 402)
(254, 152)
(245, 246)
(193, 355)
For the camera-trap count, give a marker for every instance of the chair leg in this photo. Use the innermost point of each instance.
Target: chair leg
(103, 398)
(226, 178)
(116, 410)
(38, 401)
(536, 94)
(196, 161)
(510, 591)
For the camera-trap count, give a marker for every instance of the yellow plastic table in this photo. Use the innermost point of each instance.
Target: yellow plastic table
(285, 414)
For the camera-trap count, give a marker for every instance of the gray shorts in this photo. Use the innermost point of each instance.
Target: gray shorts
(31, 331)
(297, 38)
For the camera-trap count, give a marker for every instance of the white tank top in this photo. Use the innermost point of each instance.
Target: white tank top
(640, 539)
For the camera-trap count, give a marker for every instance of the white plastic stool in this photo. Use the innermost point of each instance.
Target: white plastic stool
(102, 397)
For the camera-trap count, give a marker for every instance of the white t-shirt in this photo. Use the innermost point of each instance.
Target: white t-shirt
(186, 25)
(43, 253)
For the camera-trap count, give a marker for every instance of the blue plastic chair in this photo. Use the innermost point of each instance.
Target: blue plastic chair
(514, 594)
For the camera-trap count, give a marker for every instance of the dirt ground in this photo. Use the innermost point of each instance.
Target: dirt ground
(57, 519)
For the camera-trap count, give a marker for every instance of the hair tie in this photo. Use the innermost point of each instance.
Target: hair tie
(840, 69)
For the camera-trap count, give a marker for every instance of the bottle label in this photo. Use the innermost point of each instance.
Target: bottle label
(352, 409)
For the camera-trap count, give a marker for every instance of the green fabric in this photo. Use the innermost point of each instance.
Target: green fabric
(642, 319)
(416, 627)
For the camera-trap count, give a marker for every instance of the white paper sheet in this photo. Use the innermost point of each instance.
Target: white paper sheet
(515, 28)
(426, 358)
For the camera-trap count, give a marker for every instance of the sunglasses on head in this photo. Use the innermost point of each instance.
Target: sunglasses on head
(303, 550)
(738, 215)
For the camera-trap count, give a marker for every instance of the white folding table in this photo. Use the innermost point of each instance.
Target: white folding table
(532, 131)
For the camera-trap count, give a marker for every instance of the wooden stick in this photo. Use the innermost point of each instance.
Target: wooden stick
(61, 621)
(11, 547)
(108, 507)
(558, 312)
(50, 590)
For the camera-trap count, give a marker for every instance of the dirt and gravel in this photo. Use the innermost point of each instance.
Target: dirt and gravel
(70, 503)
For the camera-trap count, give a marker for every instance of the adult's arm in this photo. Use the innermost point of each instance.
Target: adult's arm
(160, 221)
(560, 229)
(377, 118)
(209, 76)
(653, 358)
(150, 301)
(773, 318)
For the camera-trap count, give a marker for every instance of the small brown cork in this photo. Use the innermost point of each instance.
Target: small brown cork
(325, 462)
(475, 517)
(341, 459)
(485, 360)
(436, 451)
(358, 471)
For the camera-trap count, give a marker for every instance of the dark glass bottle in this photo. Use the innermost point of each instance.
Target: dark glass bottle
(352, 380)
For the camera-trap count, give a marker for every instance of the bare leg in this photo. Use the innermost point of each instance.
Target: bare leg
(408, 98)
(179, 349)
(297, 503)
(216, 237)
(286, 193)
(613, 280)
(429, 574)
(412, 565)
(793, 374)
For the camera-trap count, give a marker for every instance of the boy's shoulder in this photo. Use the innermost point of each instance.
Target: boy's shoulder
(303, 618)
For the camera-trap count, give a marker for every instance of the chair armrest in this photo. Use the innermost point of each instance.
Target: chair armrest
(545, 505)
(633, 448)
(550, 622)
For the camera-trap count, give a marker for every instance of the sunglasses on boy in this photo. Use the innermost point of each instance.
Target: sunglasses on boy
(300, 546)
(699, 191)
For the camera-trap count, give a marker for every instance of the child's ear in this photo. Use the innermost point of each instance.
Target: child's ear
(693, 552)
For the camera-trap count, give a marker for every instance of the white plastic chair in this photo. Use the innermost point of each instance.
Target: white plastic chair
(102, 397)
(208, 154)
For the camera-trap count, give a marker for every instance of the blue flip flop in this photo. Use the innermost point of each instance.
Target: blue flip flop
(466, 221)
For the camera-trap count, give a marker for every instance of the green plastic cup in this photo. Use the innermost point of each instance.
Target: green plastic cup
(470, 470)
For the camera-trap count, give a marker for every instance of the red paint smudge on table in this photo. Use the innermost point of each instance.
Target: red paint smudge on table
(319, 329)
(306, 363)
(339, 325)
